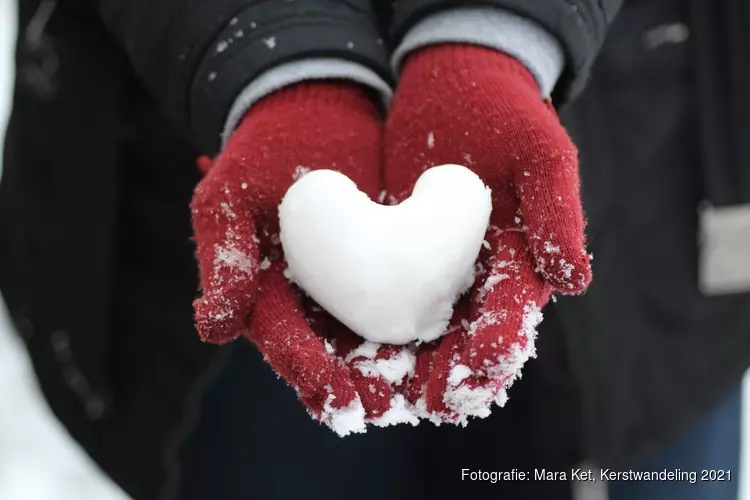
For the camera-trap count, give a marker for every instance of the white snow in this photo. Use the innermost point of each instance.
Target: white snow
(469, 402)
(344, 421)
(300, 171)
(508, 367)
(365, 349)
(566, 268)
(38, 458)
(477, 401)
(227, 210)
(398, 413)
(486, 319)
(231, 256)
(393, 369)
(458, 374)
(419, 409)
(532, 317)
(489, 285)
(501, 398)
(390, 273)
(396, 368)
(550, 248)
(270, 42)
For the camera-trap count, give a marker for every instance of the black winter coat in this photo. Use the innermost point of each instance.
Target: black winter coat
(662, 127)
(113, 103)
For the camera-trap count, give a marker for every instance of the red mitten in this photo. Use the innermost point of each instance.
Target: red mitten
(478, 107)
(332, 125)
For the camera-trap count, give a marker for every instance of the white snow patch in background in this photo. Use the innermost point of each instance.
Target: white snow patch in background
(7, 40)
(38, 459)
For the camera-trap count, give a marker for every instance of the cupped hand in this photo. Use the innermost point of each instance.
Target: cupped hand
(332, 125)
(480, 108)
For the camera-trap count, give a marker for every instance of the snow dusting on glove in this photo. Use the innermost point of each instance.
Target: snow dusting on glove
(315, 125)
(474, 106)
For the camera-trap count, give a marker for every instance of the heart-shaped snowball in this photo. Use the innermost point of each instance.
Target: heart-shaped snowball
(390, 273)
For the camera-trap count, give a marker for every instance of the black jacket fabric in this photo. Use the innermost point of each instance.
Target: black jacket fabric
(195, 57)
(661, 128)
(581, 26)
(113, 102)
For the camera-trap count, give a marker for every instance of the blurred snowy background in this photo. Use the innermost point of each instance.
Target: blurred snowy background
(38, 460)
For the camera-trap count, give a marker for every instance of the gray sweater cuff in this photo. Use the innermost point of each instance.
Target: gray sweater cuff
(300, 71)
(490, 27)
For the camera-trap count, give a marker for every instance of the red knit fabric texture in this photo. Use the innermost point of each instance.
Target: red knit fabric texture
(316, 125)
(480, 108)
